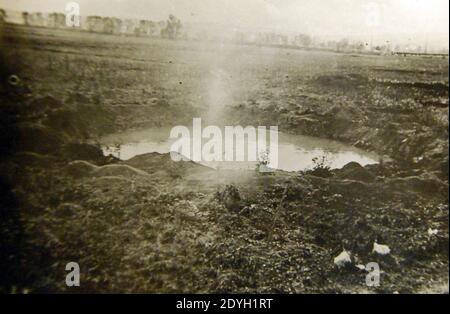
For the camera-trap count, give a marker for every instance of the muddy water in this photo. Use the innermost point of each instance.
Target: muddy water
(295, 152)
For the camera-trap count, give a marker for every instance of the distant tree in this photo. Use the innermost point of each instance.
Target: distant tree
(343, 44)
(304, 40)
(57, 20)
(128, 26)
(2, 15)
(26, 18)
(117, 25)
(108, 25)
(146, 28)
(95, 24)
(358, 46)
(51, 20)
(152, 28)
(332, 45)
(172, 29)
(38, 19)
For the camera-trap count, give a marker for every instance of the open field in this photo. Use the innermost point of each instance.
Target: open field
(151, 225)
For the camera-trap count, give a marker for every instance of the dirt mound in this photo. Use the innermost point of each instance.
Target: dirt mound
(426, 183)
(108, 180)
(34, 159)
(97, 119)
(88, 152)
(437, 88)
(67, 209)
(163, 165)
(118, 170)
(76, 119)
(357, 188)
(44, 104)
(77, 98)
(79, 168)
(67, 122)
(354, 171)
(38, 139)
(345, 82)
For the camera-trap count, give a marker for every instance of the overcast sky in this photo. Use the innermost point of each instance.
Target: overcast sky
(405, 19)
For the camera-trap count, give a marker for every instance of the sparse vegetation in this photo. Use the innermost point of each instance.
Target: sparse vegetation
(321, 166)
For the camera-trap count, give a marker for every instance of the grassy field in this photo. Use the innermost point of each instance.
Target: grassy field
(150, 225)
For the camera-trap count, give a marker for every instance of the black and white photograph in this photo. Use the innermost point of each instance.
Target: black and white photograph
(224, 147)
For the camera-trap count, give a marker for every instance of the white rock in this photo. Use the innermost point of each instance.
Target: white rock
(381, 249)
(361, 267)
(342, 259)
(432, 232)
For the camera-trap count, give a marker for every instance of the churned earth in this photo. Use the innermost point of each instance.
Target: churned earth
(149, 224)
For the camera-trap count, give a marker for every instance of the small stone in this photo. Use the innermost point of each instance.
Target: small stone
(361, 267)
(381, 249)
(342, 259)
(432, 232)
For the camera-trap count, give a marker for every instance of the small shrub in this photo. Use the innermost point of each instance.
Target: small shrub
(322, 166)
(263, 163)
